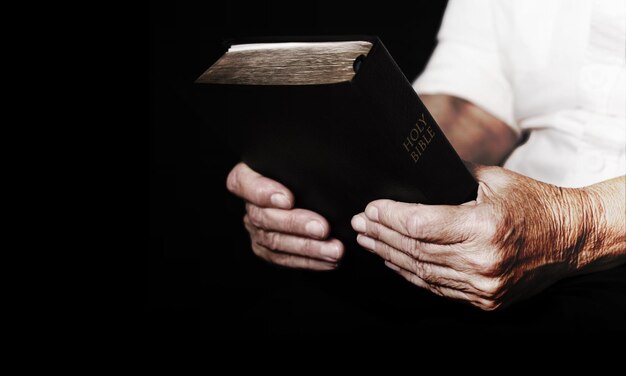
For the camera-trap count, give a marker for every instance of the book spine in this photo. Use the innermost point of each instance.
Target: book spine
(426, 160)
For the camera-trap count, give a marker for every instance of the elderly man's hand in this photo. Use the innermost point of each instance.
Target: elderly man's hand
(518, 237)
(280, 234)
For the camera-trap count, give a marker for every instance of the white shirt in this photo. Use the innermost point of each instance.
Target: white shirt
(556, 68)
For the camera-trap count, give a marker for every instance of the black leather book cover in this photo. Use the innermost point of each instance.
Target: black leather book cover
(339, 146)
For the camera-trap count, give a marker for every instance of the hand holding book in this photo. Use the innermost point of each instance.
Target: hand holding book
(364, 143)
(339, 125)
(280, 233)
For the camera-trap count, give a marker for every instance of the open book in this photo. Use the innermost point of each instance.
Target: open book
(335, 121)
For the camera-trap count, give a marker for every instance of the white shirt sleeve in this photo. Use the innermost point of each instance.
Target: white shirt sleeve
(467, 62)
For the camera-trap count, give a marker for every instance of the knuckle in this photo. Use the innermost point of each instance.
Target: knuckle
(266, 239)
(272, 240)
(246, 220)
(485, 263)
(488, 267)
(420, 269)
(256, 215)
(476, 262)
(292, 222)
(426, 272)
(309, 245)
(491, 287)
(435, 290)
(414, 224)
(372, 229)
(486, 223)
(409, 245)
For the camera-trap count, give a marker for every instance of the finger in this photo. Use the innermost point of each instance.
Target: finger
(442, 254)
(295, 221)
(252, 229)
(253, 187)
(445, 264)
(431, 273)
(450, 256)
(437, 289)
(470, 203)
(291, 261)
(328, 250)
(442, 224)
(454, 256)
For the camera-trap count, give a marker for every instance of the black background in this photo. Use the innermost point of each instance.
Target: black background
(207, 277)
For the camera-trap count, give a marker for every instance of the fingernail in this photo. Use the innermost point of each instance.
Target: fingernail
(372, 213)
(330, 250)
(391, 266)
(365, 242)
(314, 228)
(280, 200)
(358, 224)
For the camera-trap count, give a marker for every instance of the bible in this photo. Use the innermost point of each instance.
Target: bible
(334, 120)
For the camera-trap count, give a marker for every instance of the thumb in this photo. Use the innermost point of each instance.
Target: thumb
(257, 189)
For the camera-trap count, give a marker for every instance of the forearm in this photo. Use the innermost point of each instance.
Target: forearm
(603, 225)
(475, 134)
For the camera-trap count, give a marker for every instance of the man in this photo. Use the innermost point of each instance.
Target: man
(555, 71)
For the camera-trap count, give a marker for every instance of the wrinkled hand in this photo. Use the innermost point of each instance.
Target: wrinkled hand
(518, 237)
(280, 234)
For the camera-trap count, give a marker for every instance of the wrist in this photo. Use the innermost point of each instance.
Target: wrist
(580, 212)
